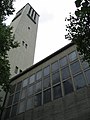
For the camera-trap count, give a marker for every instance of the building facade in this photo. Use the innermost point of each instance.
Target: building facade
(56, 88)
(25, 25)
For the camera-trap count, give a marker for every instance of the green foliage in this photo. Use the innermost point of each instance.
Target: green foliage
(79, 28)
(6, 43)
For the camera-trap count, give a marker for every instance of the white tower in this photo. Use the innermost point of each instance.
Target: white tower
(25, 26)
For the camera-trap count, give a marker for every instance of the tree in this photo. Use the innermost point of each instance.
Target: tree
(7, 42)
(79, 28)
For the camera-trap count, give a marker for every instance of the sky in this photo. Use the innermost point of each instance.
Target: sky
(51, 28)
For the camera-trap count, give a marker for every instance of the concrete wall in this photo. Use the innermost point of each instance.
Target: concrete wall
(74, 106)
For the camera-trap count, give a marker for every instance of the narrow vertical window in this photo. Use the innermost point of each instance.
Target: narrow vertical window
(16, 69)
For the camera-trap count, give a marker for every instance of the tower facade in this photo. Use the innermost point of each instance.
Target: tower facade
(25, 25)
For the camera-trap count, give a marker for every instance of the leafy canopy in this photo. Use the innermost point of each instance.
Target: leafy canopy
(6, 43)
(79, 28)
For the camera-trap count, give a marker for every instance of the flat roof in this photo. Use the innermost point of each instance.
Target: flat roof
(43, 60)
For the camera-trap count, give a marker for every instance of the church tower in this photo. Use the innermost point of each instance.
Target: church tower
(25, 25)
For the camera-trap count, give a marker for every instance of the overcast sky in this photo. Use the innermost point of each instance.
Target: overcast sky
(51, 27)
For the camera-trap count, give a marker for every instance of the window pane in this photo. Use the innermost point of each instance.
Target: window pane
(39, 75)
(57, 92)
(30, 90)
(87, 73)
(16, 98)
(63, 61)
(30, 103)
(55, 78)
(85, 64)
(7, 113)
(38, 100)
(55, 66)
(22, 107)
(75, 67)
(23, 93)
(32, 79)
(65, 73)
(14, 110)
(25, 82)
(18, 86)
(10, 100)
(72, 56)
(38, 86)
(46, 82)
(68, 87)
(47, 96)
(79, 81)
(12, 90)
(46, 71)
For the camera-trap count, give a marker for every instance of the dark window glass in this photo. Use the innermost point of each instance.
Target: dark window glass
(14, 110)
(55, 78)
(63, 61)
(39, 75)
(46, 82)
(10, 100)
(75, 67)
(65, 73)
(38, 86)
(16, 69)
(57, 92)
(16, 98)
(30, 103)
(46, 71)
(68, 87)
(30, 90)
(32, 79)
(12, 90)
(22, 106)
(38, 100)
(87, 73)
(25, 82)
(85, 64)
(7, 113)
(79, 81)
(18, 86)
(23, 94)
(72, 56)
(55, 66)
(47, 96)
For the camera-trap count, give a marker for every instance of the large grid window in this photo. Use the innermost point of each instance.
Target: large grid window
(14, 110)
(57, 92)
(30, 90)
(38, 86)
(10, 100)
(18, 86)
(79, 81)
(46, 71)
(39, 75)
(87, 73)
(21, 107)
(68, 87)
(23, 93)
(75, 67)
(38, 99)
(72, 56)
(55, 66)
(25, 82)
(16, 98)
(47, 96)
(55, 77)
(30, 103)
(65, 73)
(63, 61)
(46, 82)
(32, 79)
